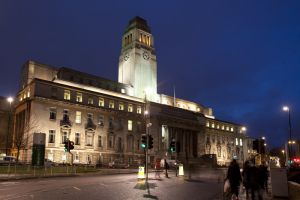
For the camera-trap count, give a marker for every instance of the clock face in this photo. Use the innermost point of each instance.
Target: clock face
(146, 55)
(126, 57)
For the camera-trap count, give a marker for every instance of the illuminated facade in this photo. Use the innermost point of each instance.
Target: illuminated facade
(105, 118)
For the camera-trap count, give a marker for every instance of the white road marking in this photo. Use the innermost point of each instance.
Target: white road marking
(76, 188)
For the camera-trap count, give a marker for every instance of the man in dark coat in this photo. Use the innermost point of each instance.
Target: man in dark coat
(234, 177)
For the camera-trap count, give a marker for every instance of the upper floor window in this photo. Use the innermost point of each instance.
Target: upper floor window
(213, 125)
(99, 141)
(223, 127)
(77, 138)
(67, 95)
(90, 116)
(65, 114)
(130, 108)
(207, 124)
(121, 106)
(51, 136)
(79, 97)
(52, 113)
(129, 125)
(139, 109)
(101, 120)
(227, 128)
(236, 141)
(241, 142)
(90, 100)
(101, 102)
(218, 126)
(78, 117)
(111, 104)
(123, 90)
(89, 139)
(54, 92)
(231, 129)
(64, 137)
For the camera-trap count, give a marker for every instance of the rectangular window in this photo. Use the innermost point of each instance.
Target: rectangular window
(52, 113)
(231, 129)
(101, 120)
(77, 138)
(207, 124)
(121, 106)
(66, 114)
(89, 139)
(223, 127)
(78, 117)
(213, 125)
(64, 137)
(101, 102)
(241, 142)
(90, 116)
(90, 101)
(139, 110)
(236, 141)
(76, 157)
(79, 97)
(54, 92)
(51, 136)
(129, 125)
(110, 142)
(130, 108)
(99, 141)
(111, 104)
(67, 95)
(227, 128)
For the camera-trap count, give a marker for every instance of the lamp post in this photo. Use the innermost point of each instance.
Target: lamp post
(287, 109)
(9, 100)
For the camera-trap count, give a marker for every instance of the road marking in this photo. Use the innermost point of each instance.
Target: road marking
(76, 188)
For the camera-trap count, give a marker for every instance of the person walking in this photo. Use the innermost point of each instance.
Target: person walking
(234, 177)
(246, 177)
(255, 180)
(166, 168)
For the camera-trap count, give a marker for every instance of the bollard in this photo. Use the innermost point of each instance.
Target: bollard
(141, 172)
(180, 171)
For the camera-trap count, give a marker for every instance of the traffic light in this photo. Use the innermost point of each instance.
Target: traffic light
(71, 145)
(150, 140)
(173, 146)
(67, 146)
(144, 141)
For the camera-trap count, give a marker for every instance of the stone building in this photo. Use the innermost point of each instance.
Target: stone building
(106, 118)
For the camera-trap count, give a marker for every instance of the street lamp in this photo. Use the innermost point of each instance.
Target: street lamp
(287, 109)
(9, 100)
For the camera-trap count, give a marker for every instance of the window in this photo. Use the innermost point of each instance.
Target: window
(231, 129)
(54, 92)
(139, 126)
(198, 109)
(123, 90)
(236, 141)
(77, 138)
(213, 125)
(52, 113)
(121, 106)
(223, 127)
(78, 117)
(207, 124)
(129, 125)
(90, 100)
(241, 142)
(67, 95)
(101, 102)
(218, 126)
(101, 120)
(89, 139)
(110, 142)
(66, 114)
(130, 108)
(111, 104)
(79, 97)
(99, 141)
(64, 137)
(90, 116)
(76, 157)
(139, 109)
(51, 136)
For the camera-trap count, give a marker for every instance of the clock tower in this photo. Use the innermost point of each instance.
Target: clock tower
(137, 62)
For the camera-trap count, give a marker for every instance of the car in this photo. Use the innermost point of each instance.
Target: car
(7, 160)
(118, 164)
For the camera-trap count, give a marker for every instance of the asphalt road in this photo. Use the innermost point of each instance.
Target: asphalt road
(206, 186)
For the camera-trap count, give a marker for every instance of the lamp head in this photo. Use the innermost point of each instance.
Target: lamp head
(10, 99)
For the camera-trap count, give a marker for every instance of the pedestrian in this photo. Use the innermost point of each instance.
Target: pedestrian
(166, 168)
(263, 178)
(234, 177)
(246, 176)
(157, 168)
(255, 179)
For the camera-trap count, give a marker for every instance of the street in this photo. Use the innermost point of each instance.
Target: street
(205, 185)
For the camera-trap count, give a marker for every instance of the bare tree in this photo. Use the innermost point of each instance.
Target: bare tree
(24, 132)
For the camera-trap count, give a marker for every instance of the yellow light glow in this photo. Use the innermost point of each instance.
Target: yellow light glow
(10, 99)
